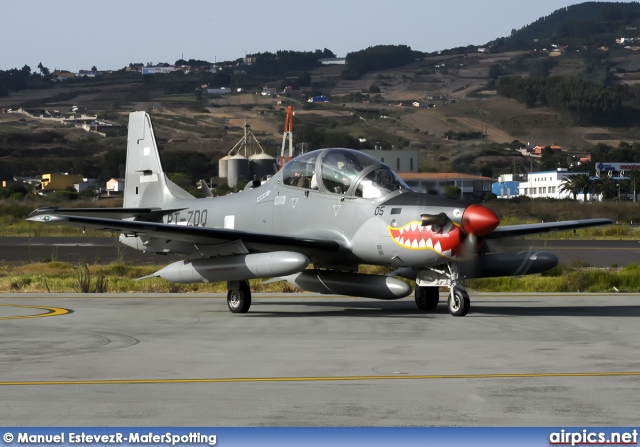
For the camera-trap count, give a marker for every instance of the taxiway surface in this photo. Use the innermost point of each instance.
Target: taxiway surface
(307, 360)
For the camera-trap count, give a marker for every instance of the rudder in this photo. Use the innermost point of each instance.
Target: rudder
(145, 182)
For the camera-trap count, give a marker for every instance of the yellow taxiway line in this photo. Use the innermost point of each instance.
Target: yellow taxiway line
(322, 379)
(49, 311)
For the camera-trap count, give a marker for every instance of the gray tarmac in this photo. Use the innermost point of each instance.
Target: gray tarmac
(307, 360)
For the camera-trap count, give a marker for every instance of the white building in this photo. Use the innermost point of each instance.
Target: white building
(548, 184)
(115, 185)
(333, 61)
(157, 70)
(218, 91)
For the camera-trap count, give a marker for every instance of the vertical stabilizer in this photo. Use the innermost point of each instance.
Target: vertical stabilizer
(146, 185)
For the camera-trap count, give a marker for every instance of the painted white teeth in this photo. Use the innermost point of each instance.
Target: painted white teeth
(401, 230)
(414, 226)
(429, 243)
(407, 243)
(401, 241)
(428, 227)
(414, 244)
(421, 244)
(438, 247)
(446, 253)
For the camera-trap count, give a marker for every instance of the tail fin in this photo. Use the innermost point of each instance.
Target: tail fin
(146, 185)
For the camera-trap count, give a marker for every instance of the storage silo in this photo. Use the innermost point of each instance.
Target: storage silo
(262, 165)
(222, 166)
(237, 170)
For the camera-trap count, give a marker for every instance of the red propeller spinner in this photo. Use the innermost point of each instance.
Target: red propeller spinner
(479, 220)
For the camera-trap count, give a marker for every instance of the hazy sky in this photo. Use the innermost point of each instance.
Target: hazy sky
(77, 34)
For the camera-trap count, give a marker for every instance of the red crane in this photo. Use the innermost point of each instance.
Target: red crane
(288, 134)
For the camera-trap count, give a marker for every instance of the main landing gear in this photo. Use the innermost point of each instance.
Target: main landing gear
(238, 296)
(427, 297)
(427, 294)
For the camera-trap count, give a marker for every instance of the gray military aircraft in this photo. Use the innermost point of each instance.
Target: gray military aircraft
(334, 208)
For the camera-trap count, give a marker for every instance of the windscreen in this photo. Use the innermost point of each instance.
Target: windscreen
(378, 183)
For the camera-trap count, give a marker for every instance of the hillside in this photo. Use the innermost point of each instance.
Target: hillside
(444, 105)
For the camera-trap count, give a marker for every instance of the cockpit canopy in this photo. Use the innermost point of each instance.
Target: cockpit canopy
(342, 171)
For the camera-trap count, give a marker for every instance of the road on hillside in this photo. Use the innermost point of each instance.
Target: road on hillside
(492, 133)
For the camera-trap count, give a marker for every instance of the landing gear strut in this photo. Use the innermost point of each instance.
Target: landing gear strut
(238, 296)
(427, 282)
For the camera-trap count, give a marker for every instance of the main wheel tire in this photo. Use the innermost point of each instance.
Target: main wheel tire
(459, 302)
(239, 301)
(427, 298)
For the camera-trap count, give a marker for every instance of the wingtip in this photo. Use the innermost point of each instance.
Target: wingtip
(46, 218)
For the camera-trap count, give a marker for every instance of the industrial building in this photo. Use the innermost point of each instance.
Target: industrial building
(472, 187)
(57, 182)
(398, 160)
(507, 186)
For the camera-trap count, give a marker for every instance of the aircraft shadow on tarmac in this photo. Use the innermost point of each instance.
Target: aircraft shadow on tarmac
(408, 309)
(344, 309)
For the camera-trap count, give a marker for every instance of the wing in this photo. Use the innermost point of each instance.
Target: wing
(190, 234)
(147, 214)
(525, 229)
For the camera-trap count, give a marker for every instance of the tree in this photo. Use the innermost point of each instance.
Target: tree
(633, 182)
(586, 184)
(304, 80)
(44, 71)
(608, 187)
(452, 191)
(570, 185)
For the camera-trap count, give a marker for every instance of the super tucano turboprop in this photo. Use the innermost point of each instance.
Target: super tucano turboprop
(335, 209)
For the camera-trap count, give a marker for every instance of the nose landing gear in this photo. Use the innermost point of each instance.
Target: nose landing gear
(459, 302)
(427, 282)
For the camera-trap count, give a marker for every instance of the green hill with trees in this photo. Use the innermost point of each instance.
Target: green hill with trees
(548, 83)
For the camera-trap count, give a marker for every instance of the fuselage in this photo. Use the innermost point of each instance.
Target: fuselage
(372, 214)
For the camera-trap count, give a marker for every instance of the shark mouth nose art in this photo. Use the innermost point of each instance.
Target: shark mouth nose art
(443, 240)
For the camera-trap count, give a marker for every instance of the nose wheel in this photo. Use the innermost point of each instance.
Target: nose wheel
(459, 302)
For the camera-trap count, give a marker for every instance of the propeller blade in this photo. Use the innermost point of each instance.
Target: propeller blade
(469, 246)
